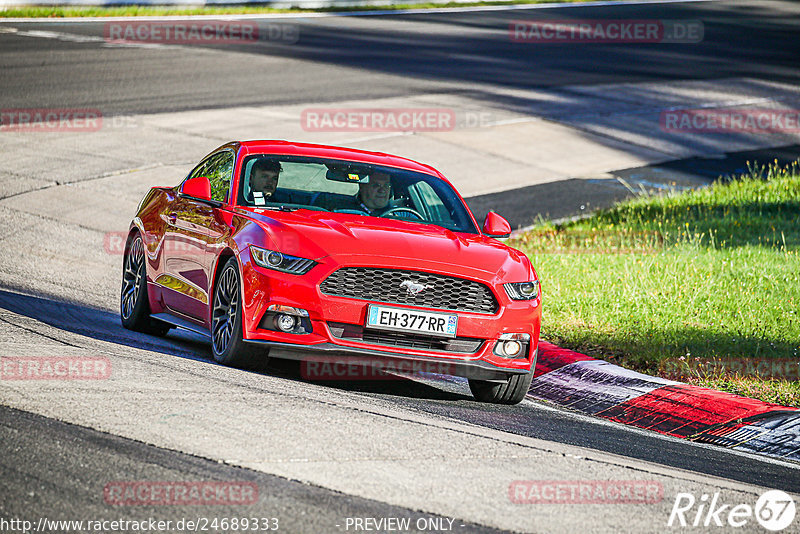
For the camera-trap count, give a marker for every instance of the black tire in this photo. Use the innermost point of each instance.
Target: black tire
(512, 391)
(227, 344)
(134, 304)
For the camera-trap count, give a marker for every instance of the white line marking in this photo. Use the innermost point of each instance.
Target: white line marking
(383, 12)
(61, 36)
(77, 38)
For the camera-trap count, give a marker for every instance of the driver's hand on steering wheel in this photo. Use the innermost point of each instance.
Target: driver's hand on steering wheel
(403, 212)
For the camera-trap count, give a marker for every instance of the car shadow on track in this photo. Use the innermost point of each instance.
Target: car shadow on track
(105, 326)
(389, 384)
(98, 324)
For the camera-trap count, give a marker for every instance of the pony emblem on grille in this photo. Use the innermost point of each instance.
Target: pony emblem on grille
(414, 289)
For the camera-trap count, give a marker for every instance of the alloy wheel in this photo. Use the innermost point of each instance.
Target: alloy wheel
(226, 305)
(132, 277)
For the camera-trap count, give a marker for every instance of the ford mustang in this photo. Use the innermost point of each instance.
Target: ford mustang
(319, 253)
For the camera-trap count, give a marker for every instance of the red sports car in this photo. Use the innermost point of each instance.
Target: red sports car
(322, 253)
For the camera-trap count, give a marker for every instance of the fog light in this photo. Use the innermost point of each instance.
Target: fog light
(512, 348)
(512, 345)
(285, 323)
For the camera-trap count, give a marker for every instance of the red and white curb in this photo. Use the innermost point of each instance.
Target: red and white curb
(602, 389)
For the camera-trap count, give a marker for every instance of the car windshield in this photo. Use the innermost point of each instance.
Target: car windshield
(293, 182)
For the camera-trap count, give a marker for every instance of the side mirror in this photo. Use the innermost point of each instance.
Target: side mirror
(496, 226)
(199, 188)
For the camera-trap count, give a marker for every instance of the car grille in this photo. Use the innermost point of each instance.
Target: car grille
(385, 285)
(356, 332)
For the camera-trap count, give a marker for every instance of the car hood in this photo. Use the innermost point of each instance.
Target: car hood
(356, 239)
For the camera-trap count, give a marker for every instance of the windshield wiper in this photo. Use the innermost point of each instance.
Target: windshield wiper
(277, 208)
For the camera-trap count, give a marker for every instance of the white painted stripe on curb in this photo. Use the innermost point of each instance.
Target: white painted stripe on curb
(777, 436)
(375, 13)
(592, 386)
(599, 421)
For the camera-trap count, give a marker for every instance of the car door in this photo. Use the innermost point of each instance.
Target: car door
(186, 259)
(218, 223)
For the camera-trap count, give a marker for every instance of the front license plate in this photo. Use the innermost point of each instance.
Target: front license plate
(420, 322)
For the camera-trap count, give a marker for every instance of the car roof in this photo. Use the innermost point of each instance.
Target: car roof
(288, 148)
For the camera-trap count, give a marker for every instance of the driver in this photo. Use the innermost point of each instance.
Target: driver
(373, 198)
(374, 195)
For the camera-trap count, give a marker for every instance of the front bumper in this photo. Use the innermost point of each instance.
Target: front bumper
(365, 360)
(264, 287)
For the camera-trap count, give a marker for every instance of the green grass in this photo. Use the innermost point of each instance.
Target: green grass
(686, 283)
(144, 10)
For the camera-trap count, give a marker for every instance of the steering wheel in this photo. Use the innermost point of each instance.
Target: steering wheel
(354, 212)
(412, 211)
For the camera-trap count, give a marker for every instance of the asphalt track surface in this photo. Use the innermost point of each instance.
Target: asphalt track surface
(50, 465)
(333, 59)
(445, 397)
(350, 58)
(82, 457)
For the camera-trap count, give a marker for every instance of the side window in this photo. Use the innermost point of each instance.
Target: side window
(219, 171)
(198, 171)
(431, 202)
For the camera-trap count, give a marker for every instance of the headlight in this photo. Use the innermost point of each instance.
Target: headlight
(522, 290)
(272, 259)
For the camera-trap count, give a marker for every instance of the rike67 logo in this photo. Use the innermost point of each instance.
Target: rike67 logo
(774, 510)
